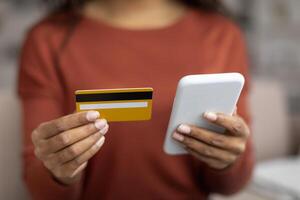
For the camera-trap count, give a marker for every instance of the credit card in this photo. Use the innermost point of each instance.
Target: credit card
(116, 105)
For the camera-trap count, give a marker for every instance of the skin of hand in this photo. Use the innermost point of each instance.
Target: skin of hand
(65, 145)
(218, 151)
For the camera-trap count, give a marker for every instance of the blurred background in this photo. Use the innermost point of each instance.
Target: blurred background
(272, 29)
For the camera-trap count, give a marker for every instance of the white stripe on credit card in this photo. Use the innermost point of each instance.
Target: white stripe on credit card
(113, 105)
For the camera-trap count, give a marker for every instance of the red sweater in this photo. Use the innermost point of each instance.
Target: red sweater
(94, 55)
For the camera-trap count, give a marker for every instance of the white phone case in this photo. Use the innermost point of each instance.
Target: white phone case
(197, 94)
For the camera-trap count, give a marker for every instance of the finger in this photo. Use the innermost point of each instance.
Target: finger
(71, 136)
(72, 151)
(204, 149)
(226, 142)
(104, 130)
(79, 169)
(68, 168)
(54, 127)
(234, 124)
(235, 111)
(216, 164)
(58, 173)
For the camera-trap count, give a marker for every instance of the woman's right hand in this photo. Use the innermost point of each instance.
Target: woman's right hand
(65, 145)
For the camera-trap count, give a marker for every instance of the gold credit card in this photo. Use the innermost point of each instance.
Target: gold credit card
(122, 104)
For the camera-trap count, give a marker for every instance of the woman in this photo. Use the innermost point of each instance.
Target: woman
(124, 43)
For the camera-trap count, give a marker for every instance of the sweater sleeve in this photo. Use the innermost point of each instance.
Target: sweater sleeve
(235, 177)
(39, 91)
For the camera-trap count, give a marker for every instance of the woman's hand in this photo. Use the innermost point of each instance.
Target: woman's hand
(216, 150)
(65, 145)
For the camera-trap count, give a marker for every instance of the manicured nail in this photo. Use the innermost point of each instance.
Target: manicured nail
(235, 110)
(100, 142)
(184, 129)
(178, 137)
(217, 142)
(92, 115)
(79, 169)
(211, 116)
(100, 123)
(104, 130)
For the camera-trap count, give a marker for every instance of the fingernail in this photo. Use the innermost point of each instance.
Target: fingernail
(92, 115)
(235, 110)
(104, 130)
(184, 129)
(178, 137)
(217, 142)
(100, 142)
(100, 123)
(211, 116)
(79, 169)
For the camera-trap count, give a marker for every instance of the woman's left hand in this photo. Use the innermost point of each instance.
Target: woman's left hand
(216, 150)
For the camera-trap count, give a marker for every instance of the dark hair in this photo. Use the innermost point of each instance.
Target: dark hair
(207, 5)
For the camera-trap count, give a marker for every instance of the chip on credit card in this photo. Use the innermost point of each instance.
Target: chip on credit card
(122, 104)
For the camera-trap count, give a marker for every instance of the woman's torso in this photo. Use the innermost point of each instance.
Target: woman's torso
(132, 163)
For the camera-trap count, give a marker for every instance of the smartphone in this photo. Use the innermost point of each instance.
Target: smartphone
(197, 94)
